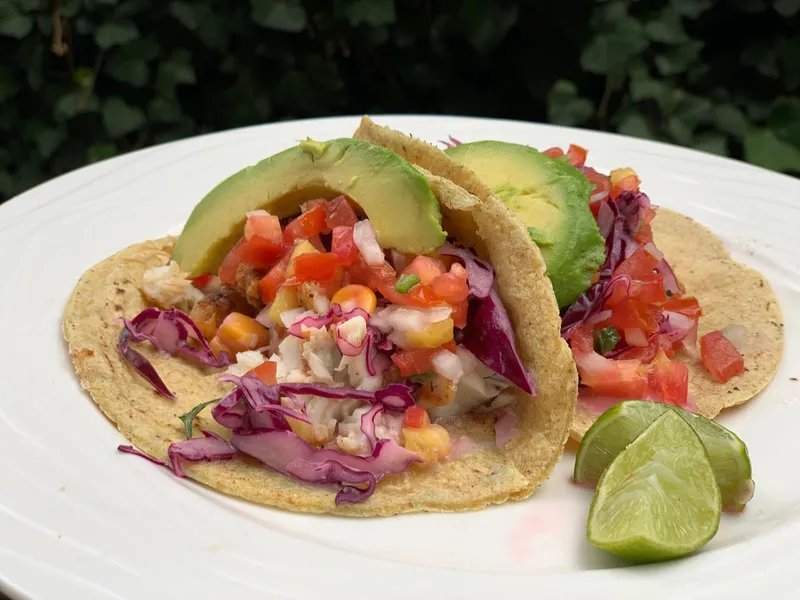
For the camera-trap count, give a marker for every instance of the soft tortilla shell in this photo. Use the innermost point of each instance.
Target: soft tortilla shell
(729, 293)
(487, 476)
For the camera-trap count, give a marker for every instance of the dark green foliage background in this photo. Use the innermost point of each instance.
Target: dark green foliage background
(83, 80)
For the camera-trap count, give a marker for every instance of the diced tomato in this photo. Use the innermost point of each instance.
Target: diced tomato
(229, 266)
(426, 268)
(306, 225)
(631, 313)
(269, 284)
(309, 204)
(577, 155)
(638, 265)
(339, 213)
(606, 377)
(343, 246)
(413, 361)
(362, 273)
(263, 224)
(416, 416)
(450, 287)
(260, 252)
(459, 314)
(656, 343)
(645, 233)
(554, 152)
(685, 305)
(315, 267)
(669, 382)
(619, 292)
(420, 295)
(316, 241)
(720, 356)
(582, 339)
(602, 186)
(649, 289)
(266, 372)
(201, 281)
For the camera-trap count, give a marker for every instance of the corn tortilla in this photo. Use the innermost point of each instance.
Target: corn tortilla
(488, 476)
(729, 292)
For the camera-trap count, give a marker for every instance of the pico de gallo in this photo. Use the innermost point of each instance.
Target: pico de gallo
(627, 328)
(345, 357)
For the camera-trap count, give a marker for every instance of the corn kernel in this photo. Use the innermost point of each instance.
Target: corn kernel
(285, 299)
(432, 337)
(355, 296)
(217, 347)
(241, 333)
(432, 443)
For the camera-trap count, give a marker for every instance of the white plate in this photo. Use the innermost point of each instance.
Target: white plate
(79, 520)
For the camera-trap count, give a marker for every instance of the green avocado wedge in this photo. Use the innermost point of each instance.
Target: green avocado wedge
(393, 194)
(551, 197)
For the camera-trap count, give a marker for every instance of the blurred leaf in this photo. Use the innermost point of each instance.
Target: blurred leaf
(787, 8)
(667, 28)
(715, 143)
(565, 107)
(116, 34)
(762, 147)
(679, 130)
(678, 58)
(49, 140)
(281, 15)
(785, 120)
(143, 49)
(730, 119)
(74, 103)
(175, 70)
(486, 24)
(98, 152)
(609, 52)
(185, 13)
(131, 71)
(164, 110)
(692, 8)
(120, 118)
(13, 23)
(635, 125)
(370, 12)
(84, 77)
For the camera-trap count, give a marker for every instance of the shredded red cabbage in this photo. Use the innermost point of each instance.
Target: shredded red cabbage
(480, 274)
(491, 339)
(131, 450)
(671, 286)
(451, 142)
(395, 396)
(619, 226)
(368, 424)
(168, 331)
(288, 453)
(209, 447)
(334, 315)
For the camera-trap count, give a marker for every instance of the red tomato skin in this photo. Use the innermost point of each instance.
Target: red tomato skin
(426, 268)
(685, 305)
(343, 246)
(638, 265)
(450, 287)
(229, 266)
(720, 356)
(269, 284)
(415, 417)
(266, 372)
(668, 382)
(339, 213)
(315, 267)
(308, 224)
(577, 155)
(260, 252)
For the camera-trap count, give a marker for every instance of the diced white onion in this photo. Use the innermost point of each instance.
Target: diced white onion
(447, 364)
(367, 243)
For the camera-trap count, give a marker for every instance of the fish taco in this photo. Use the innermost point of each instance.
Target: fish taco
(335, 330)
(652, 304)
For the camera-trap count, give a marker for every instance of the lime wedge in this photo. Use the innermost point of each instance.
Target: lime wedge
(624, 422)
(658, 499)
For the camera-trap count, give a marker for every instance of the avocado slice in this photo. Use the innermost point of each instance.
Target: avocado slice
(395, 196)
(552, 198)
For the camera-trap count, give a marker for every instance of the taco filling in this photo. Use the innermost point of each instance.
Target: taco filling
(345, 356)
